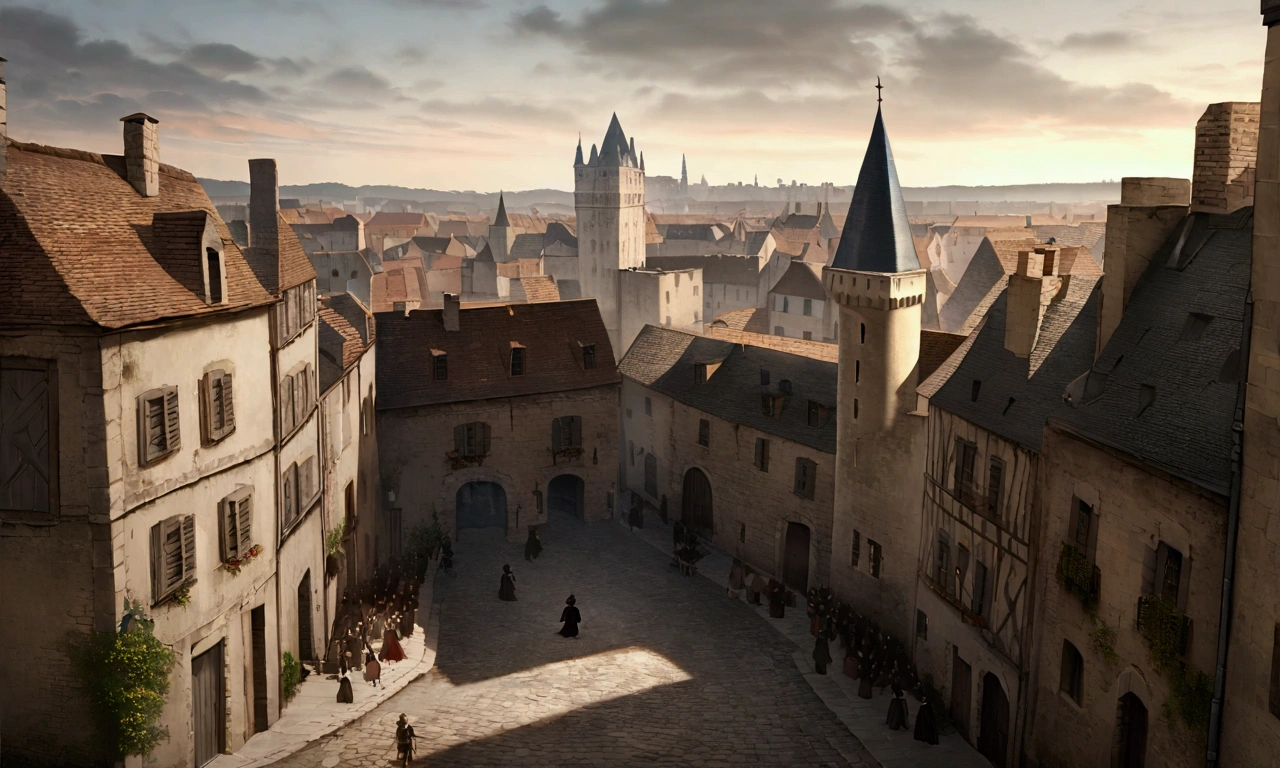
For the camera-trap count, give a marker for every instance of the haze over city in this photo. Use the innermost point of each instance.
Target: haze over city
(468, 94)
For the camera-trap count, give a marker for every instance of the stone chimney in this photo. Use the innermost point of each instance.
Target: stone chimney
(1226, 157)
(1149, 210)
(142, 153)
(1031, 289)
(4, 125)
(264, 205)
(451, 307)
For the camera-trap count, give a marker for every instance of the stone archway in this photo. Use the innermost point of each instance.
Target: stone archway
(566, 494)
(481, 504)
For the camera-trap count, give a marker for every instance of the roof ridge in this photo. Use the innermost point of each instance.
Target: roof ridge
(67, 153)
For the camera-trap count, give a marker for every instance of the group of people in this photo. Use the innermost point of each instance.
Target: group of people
(686, 548)
(742, 577)
(570, 617)
(385, 609)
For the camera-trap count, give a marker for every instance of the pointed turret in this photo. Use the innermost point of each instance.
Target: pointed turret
(501, 219)
(684, 174)
(642, 161)
(615, 151)
(595, 156)
(877, 236)
(635, 160)
(577, 158)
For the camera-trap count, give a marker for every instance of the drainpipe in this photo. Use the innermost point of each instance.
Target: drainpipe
(1229, 562)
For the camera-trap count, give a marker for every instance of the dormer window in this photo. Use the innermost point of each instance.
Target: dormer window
(213, 267)
(439, 365)
(588, 356)
(699, 373)
(517, 360)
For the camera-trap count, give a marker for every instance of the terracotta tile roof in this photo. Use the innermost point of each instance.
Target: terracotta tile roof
(285, 269)
(345, 324)
(478, 353)
(754, 320)
(386, 219)
(79, 244)
(540, 288)
(401, 280)
(445, 262)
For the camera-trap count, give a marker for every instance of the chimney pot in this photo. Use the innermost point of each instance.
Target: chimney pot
(142, 153)
(451, 308)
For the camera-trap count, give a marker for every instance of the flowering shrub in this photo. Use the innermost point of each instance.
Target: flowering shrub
(236, 563)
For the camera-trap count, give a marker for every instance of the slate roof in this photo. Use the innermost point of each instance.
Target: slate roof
(479, 351)
(877, 236)
(501, 220)
(526, 247)
(800, 280)
(1016, 395)
(817, 350)
(1186, 429)
(79, 246)
(560, 232)
(663, 360)
(935, 348)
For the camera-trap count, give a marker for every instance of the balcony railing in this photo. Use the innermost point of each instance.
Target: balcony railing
(1079, 576)
(1168, 629)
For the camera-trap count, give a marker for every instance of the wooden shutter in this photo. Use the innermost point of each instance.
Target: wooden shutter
(188, 548)
(228, 523)
(228, 405)
(484, 438)
(299, 397)
(557, 435)
(286, 405)
(1184, 584)
(460, 439)
(172, 431)
(1149, 571)
(287, 493)
(157, 562)
(575, 424)
(244, 525)
(27, 482)
(1162, 560)
(294, 473)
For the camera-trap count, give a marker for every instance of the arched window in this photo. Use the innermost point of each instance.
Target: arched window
(1072, 678)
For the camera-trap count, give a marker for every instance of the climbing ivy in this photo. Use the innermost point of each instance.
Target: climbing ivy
(1077, 576)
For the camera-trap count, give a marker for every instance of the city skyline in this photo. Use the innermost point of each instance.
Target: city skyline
(453, 94)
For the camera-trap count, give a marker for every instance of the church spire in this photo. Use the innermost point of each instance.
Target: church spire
(877, 236)
(577, 160)
(684, 174)
(501, 219)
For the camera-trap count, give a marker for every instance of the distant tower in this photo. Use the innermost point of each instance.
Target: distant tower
(876, 281)
(684, 177)
(609, 198)
(500, 236)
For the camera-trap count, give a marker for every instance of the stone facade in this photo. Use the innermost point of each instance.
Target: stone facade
(1226, 155)
(416, 441)
(1135, 510)
(666, 299)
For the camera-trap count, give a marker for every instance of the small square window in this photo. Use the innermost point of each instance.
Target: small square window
(704, 432)
(874, 548)
(440, 367)
(815, 414)
(517, 361)
(648, 406)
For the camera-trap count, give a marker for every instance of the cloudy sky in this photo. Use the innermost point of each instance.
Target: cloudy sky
(490, 94)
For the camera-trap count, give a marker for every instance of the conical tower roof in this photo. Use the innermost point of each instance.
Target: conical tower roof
(577, 158)
(877, 236)
(501, 219)
(614, 150)
(595, 156)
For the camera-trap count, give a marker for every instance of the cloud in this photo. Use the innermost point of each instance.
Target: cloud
(221, 58)
(461, 5)
(357, 78)
(1098, 41)
(719, 42)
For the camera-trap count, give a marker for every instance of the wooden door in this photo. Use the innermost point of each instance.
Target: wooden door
(696, 502)
(960, 694)
(1130, 750)
(795, 558)
(993, 740)
(306, 648)
(258, 622)
(208, 704)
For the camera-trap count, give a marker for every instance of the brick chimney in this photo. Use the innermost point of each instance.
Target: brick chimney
(451, 307)
(4, 125)
(1031, 289)
(142, 153)
(264, 205)
(1226, 157)
(1149, 210)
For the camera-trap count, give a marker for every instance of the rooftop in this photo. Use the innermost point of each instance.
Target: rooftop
(877, 235)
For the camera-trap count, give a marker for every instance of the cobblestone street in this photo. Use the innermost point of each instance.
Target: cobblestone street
(667, 670)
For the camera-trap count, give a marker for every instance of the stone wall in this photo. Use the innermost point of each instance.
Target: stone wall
(750, 508)
(609, 202)
(414, 443)
(1226, 156)
(1135, 509)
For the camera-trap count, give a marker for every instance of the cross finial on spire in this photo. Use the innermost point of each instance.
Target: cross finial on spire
(879, 89)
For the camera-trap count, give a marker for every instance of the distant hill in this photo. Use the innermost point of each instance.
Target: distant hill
(1103, 192)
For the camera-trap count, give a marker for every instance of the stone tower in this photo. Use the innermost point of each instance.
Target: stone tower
(876, 281)
(500, 235)
(609, 198)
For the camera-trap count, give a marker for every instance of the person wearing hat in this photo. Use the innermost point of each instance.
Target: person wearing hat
(571, 617)
(404, 740)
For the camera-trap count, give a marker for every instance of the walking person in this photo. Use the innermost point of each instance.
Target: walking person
(926, 725)
(777, 599)
(508, 589)
(821, 654)
(897, 719)
(737, 575)
(406, 741)
(345, 694)
(372, 668)
(571, 618)
(532, 545)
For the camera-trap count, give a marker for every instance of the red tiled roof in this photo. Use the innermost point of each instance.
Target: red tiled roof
(337, 312)
(287, 267)
(79, 246)
(540, 288)
(385, 219)
(551, 333)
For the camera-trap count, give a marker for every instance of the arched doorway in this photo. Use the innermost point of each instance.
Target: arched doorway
(993, 739)
(795, 557)
(565, 494)
(306, 648)
(482, 505)
(695, 504)
(1131, 733)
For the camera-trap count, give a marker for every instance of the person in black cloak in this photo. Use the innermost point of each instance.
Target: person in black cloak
(508, 589)
(777, 599)
(926, 725)
(532, 546)
(821, 654)
(446, 555)
(897, 720)
(571, 617)
(866, 668)
(345, 694)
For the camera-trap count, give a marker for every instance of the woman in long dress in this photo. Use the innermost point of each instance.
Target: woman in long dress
(533, 545)
(508, 589)
(391, 650)
(777, 599)
(345, 694)
(372, 669)
(926, 725)
(571, 617)
(897, 719)
(821, 654)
